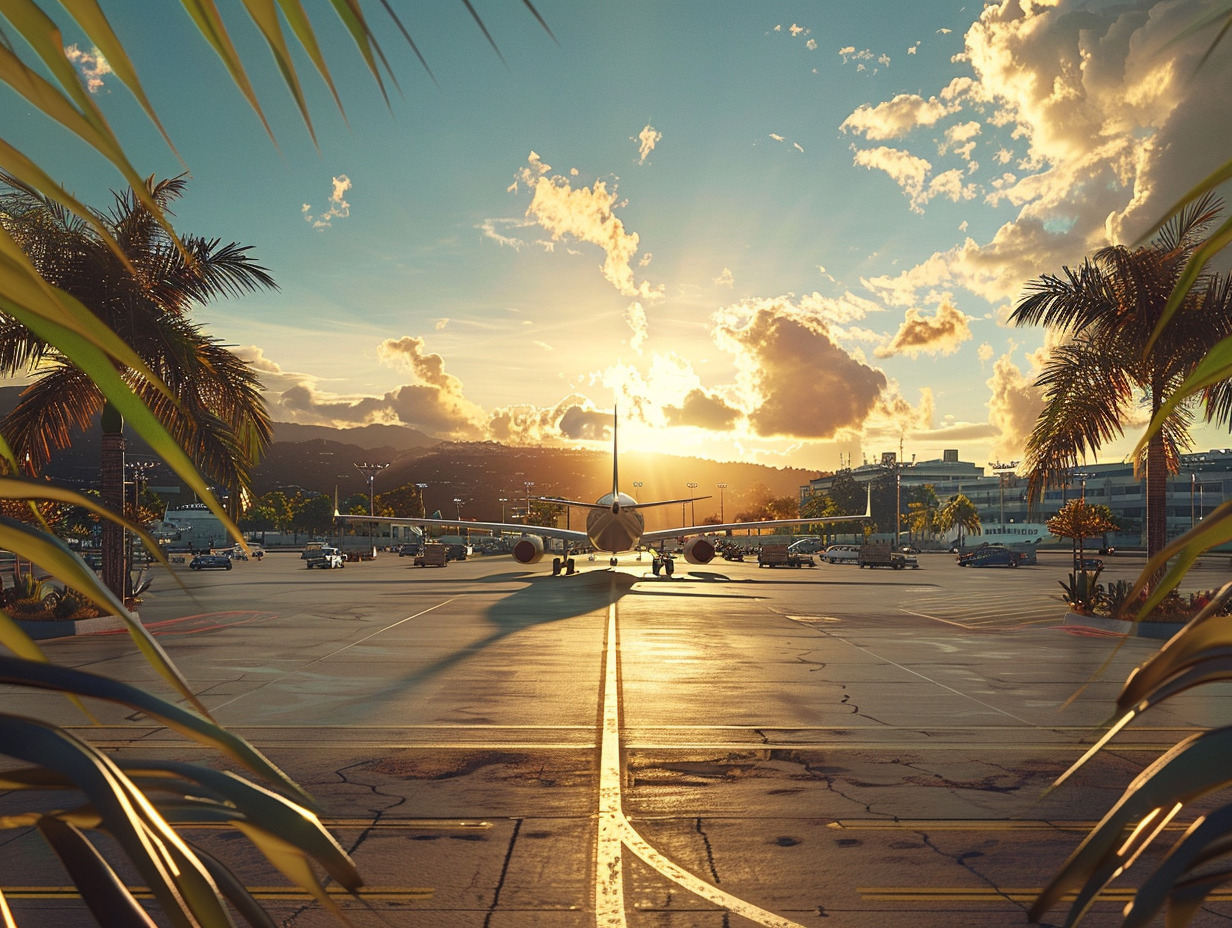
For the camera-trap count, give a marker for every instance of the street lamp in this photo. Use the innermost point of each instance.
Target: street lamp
(370, 471)
(528, 484)
(502, 501)
(692, 504)
(1003, 471)
(722, 487)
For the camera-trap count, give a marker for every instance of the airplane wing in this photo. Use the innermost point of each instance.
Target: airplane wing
(649, 538)
(544, 531)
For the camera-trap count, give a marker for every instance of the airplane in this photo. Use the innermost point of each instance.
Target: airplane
(614, 524)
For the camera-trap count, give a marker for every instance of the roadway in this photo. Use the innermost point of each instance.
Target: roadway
(729, 747)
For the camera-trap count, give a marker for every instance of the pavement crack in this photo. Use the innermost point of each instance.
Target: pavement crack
(504, 873)
(714, 873)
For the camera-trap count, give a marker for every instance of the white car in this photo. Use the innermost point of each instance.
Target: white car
(841, 554)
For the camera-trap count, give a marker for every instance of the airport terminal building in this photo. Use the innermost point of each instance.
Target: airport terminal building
(1204, 481)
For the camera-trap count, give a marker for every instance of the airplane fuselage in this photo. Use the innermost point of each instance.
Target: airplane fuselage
(616, 527)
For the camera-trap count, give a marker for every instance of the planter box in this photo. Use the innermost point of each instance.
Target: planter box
(1160, 630)
(66, 628)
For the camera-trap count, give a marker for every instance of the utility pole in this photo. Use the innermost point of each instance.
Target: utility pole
(1003, 471)
(370, 471)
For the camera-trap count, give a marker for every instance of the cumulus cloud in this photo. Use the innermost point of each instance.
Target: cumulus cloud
(91, 65)
(907, 170)
(725, 278)
(1013, 408)
(635, 315)
(338, 208)
(1116, 119)
(940, 333)
(799, 381)
(574, 418)
(897, 117)
(703, 410)
(646, 140)
(585, 214)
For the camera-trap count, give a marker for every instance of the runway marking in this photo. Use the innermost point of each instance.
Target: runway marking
(616, 832)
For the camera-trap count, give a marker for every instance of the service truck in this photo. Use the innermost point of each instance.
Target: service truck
(432, 555)
(881, 554)
(782, 556)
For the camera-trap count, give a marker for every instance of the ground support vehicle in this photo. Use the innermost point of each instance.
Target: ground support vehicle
(432, 555)
(782, 556)
(210, 561)
(990, 556)
(880, 554)
(326, 559)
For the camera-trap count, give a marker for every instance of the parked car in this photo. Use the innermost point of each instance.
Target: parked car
(990, 556)
(842, 554)
(1092, 563)
(410, 549)
(909, 549)
(210, 562)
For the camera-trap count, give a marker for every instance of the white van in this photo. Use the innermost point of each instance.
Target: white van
(842, 554)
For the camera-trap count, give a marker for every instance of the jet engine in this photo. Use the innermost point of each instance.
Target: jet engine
(699, 550)
(528, 550)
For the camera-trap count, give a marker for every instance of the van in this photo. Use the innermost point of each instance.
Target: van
(842, 554)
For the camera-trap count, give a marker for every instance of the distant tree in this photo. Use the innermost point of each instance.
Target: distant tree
(848, 496)
(543, 513)
(406, 500)
(922, 505)
(1078, 520)
(959, 512)
(354, 505)
(315, 515)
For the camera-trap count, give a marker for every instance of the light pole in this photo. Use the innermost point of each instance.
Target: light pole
(502, 501)
(692, 504)
(1003, 471)
(721, 487)
(465, 535)
(528, 484)
(370, 471)
(138, 471)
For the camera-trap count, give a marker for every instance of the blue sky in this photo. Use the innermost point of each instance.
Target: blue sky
(785, 232)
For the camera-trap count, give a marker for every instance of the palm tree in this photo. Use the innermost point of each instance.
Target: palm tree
(959, 512)
(1108, 310)
(143, 292)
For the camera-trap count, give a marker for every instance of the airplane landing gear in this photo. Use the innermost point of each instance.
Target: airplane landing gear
(569, 566)
(555, 567)
(566, 564)
(612, 562)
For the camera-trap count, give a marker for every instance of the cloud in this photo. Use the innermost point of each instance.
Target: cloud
(586, 214)
(796, 378)
(1103, 111)
(907, 170)
(702, 410)
(339, 208)
(647, 139)
(635, 315)
(940, 333)
(92, 66)
(574, 418)
(1013, 408)
(725, 278)
(897, 117)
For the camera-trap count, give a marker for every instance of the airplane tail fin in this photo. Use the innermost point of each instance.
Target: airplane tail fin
(615, 472)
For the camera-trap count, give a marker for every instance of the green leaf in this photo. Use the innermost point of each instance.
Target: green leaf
(109, 900)
(174, 876)
(1187, 771)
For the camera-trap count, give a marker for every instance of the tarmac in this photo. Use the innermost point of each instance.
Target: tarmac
(495, 747)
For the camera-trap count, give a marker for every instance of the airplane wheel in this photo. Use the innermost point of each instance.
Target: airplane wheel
(668, 567)
(655, 565)
(555, 566)
(569, 568)
(612, 562)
